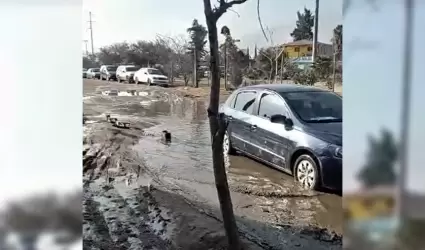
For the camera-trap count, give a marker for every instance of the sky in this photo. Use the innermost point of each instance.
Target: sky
(373, 56)
(144, 19)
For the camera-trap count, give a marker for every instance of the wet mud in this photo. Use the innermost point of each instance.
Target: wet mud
(144, 193)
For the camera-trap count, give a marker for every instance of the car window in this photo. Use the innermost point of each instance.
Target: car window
(271, 105)
(245, 101)
(315, 106)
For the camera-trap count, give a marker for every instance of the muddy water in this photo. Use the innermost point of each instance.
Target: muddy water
(187, 161)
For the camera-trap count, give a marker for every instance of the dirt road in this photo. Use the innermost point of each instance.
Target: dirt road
(141, 193)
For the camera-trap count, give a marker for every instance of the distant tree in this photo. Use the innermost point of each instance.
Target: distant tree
(198, 40)
(380, 161)
(322, 67)
(180, 63)
(304, 26)
(89, 62)
(236, 59)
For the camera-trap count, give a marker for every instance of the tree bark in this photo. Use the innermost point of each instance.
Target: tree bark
(217, 130)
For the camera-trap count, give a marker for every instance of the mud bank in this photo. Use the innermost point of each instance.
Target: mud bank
(141, 193)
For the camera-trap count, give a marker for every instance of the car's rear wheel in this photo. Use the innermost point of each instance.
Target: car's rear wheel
(227, 145)
(306, 172)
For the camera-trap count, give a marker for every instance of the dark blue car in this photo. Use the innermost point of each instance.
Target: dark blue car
(294, 128)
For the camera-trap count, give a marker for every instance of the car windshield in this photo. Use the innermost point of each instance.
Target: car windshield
(132, 68)
(315, 106)
(95, 70)
(154, 72)
(112, 68)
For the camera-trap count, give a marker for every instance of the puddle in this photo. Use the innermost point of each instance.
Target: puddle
(130, 92)
(188, 161)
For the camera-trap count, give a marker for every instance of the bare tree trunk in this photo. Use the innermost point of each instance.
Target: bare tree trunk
(217, 129)
(195, 69)
(225, 65)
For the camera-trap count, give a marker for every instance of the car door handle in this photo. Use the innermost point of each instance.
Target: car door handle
(253, 127)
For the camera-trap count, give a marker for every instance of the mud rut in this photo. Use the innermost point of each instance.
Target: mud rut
(121, 204)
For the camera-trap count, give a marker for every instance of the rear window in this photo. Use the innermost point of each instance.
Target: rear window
(245, 101)
(132, 68)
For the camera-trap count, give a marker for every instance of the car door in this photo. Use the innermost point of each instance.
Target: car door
(270, 139)
(240, 120)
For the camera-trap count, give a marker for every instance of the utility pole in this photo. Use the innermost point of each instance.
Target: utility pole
(316, 30)
(405, 108)
(91, 33)
(85, 43)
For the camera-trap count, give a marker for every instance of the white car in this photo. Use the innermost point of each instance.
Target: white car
(150, 76)
(126, 73)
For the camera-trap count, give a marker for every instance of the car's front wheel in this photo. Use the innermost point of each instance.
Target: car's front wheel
(306, 172)
(227, 145)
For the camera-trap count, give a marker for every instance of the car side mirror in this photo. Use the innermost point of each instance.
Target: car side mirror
(278, 119)
(281, 119)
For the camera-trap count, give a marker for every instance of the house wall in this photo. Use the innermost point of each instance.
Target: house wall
(295, 51)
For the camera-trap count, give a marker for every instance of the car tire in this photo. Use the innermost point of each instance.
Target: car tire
(306, 172)
(227, 145)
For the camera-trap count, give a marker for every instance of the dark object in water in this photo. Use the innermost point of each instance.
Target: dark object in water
(110, 119)
(121, 124)
(166, 136)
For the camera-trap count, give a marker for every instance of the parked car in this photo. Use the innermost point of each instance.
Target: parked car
(126, 73)
(108, 72)
(150, 76)
(93, 73)
(294, 128)
(84, 73)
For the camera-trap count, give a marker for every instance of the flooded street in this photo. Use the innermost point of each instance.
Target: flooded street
(187, 161)
(271, 209)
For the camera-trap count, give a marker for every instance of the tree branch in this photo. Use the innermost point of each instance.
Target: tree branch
(224, 6)
(259, 20)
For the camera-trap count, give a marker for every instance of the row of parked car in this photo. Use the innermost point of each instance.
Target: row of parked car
(127, 74)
